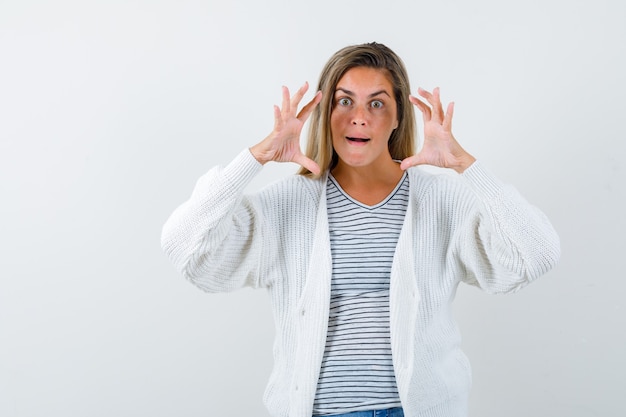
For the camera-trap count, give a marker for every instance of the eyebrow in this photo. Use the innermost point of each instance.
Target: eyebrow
(350, 93)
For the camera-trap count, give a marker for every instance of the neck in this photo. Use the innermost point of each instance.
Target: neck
(368, 184)
(370, 175)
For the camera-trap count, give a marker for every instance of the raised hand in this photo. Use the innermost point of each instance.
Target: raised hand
(440, 148)
(283, 143)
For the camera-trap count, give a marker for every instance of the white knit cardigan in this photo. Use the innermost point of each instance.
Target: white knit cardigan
(467, 227)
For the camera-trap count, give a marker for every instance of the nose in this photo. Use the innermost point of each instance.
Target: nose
(358, 117)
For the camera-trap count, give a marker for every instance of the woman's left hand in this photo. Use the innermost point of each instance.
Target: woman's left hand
(440, 147)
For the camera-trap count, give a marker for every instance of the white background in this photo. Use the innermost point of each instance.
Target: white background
(110, 111)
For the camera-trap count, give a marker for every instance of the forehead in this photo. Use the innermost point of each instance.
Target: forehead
(366, 78)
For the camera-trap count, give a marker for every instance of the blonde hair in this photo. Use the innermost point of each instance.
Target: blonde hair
(372, 55)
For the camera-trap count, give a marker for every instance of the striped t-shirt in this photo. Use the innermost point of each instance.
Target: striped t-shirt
(357, 371)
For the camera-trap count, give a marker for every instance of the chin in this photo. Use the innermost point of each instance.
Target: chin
(356, 162)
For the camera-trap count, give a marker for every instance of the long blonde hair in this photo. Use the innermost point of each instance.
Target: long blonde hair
(373, 55)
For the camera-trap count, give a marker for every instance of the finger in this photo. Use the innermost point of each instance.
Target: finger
(278, 120)
(447, 121)
(309, 107)
(436, 103)
(424, 93)
(434, 100)
(423, 107)
(308, 164)
(286, 105)
(295, 100)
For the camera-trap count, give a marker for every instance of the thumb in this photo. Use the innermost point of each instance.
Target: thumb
(308, 164)
(412, 161)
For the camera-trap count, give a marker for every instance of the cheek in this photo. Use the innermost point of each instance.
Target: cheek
(335, 121)
(392, 119)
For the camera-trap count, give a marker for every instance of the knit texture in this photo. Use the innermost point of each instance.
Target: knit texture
(464, 228)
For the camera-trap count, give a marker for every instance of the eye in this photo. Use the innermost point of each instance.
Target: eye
(344, 101)
(377, 104)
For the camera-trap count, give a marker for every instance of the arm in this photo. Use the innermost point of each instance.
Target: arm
(216, 239)
(505, 243)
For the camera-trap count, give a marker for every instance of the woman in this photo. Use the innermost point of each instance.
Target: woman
(361, 253)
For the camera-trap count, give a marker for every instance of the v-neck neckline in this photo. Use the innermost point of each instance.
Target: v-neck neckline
(367, 206)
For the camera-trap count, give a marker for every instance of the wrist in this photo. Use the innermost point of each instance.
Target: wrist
(465, 162)
(258, 154)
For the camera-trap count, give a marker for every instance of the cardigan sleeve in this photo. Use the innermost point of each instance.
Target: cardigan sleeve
(216, 239)
(505, 243)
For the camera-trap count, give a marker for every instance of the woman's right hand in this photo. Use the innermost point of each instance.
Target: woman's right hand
(283, 143)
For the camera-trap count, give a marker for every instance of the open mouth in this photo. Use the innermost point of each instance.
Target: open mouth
(358, 140)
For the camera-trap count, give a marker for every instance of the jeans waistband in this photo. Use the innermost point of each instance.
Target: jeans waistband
(388, 412)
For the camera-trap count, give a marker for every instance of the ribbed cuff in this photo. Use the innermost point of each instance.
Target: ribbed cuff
(482, 181)
(241, 170)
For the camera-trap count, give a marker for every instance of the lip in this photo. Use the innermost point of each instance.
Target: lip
(357, 140)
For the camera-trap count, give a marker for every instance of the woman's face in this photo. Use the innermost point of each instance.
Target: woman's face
(363, 117)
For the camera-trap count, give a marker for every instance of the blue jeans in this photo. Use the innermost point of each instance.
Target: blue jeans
(389, 412)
